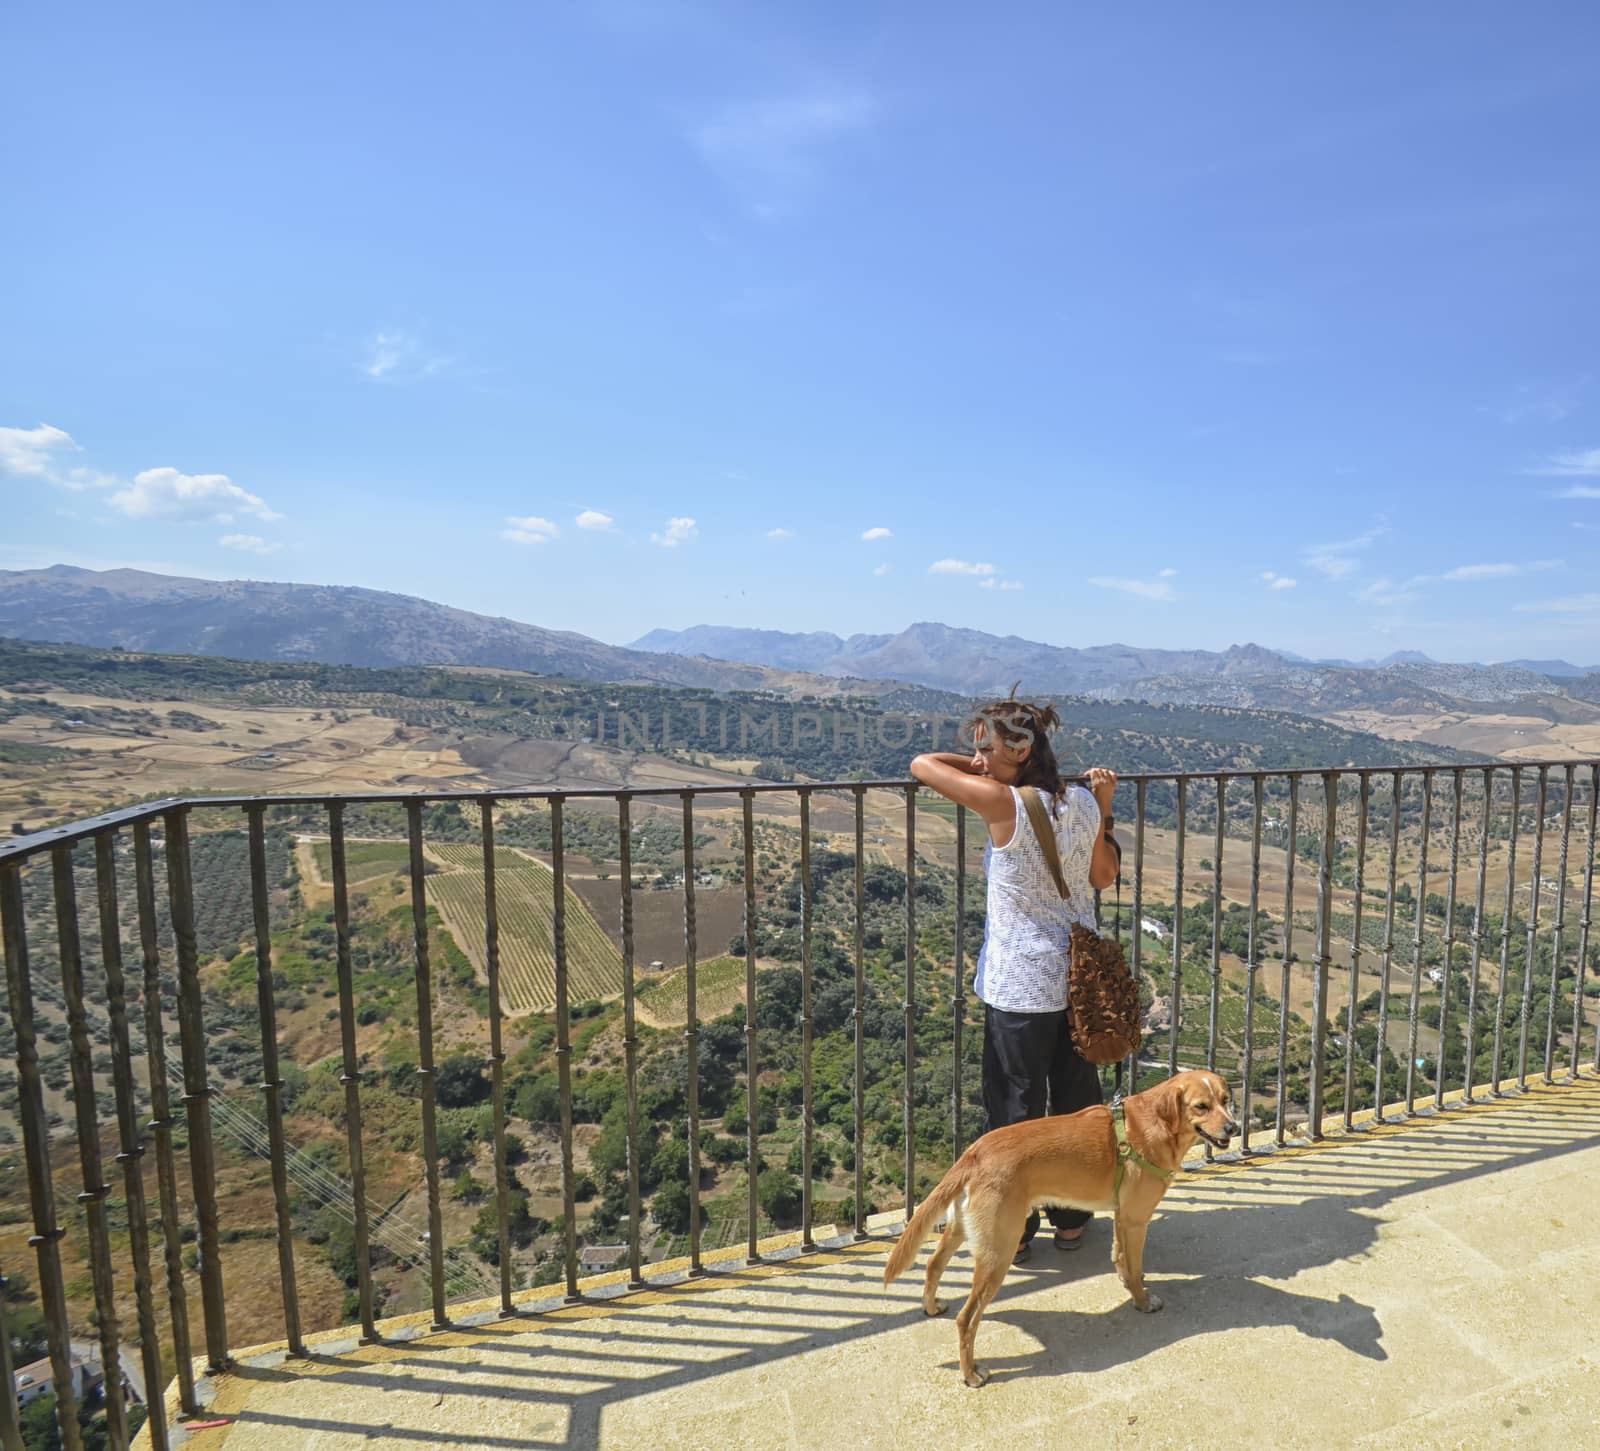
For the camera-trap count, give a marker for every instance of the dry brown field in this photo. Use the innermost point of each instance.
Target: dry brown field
(1504, 736)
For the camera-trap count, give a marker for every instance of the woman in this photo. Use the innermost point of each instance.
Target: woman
(1022, 968)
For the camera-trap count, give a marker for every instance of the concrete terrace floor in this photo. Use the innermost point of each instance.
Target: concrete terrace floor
(1431, 1284)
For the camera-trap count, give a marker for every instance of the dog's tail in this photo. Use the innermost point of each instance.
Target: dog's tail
(923, 1220)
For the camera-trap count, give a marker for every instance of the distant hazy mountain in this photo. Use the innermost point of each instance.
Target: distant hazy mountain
(1561, 669)
(1399, 657)
(970, 661)
(1247, 676)
(778, 648)
(337, 624)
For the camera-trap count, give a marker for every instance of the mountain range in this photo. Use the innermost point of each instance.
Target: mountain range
(335, 624)
(346, 625)
(977, 663)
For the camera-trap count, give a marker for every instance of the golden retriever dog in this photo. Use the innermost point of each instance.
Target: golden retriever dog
(1074, 1160)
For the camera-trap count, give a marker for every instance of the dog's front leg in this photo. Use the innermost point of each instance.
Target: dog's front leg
(1128, 1251)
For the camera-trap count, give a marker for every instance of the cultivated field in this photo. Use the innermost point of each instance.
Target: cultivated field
(364, 860)
(1505, 736)
(525, 910)
(718, 989)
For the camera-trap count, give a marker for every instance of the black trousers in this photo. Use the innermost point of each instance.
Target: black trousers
(1029, 1069)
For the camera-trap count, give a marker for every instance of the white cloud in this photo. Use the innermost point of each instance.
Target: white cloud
(959, 566)
(1168, 574)
(679, 530)
(32, 452)
(168, 494)
(1334, 559)
(770, 149)
(1278, 581)
(1587, 604)
(529, 529)
(882, 570)
(1157, 589)
(992, 583)
(1387, 594)
(249, 543)
(1580, 491)
(780, 534)
(594, 519)
(36, 453)
(1583, 463)
(1481, 571)
(1473, 573)
(394, 355)
(868, 535)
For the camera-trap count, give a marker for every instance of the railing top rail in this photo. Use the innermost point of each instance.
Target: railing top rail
(21, 848)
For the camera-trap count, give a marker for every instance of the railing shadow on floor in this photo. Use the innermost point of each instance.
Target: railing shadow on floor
(1284, 1213)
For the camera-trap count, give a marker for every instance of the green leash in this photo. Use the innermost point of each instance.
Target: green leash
(1126, 1153)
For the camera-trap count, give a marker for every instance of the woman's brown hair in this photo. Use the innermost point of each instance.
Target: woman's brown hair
(1020, 723)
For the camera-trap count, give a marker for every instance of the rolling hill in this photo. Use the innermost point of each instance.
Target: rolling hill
(331, 624)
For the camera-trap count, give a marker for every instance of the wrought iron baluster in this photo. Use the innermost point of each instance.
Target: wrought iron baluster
(197, 1088)
(350, 1070)
(1583, 926)
(558, 932)
(1379, 1092)
(1477, 935)
(1136, 965)
(161, 1121)
(752, 1079)
(1363, 806)
(910, 1004)
(1560, 924)
(1216, 936)
(497, 1050)
(630, 1032)
(95, 1189)
(426, 1076)
(1505, 933)
(1290, 852)
(807, 1118)
(1457, 779)
(271, 1079)
(858, 1145)
(1252, 954)
(47, 1233)
(1177, 928)
(1414, 1003)
(958, 997)
(131, 1144)
(1324, 962)
(1525, 1011)
(691, 1032)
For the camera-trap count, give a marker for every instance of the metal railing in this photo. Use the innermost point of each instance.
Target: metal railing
(1318, 817)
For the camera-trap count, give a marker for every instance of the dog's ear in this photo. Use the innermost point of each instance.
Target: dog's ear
(1169, 1106)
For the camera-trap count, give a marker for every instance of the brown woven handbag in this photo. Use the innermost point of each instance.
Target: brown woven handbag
(1102, 997)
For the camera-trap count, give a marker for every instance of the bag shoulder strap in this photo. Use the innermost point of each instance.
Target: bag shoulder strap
(1045, 832)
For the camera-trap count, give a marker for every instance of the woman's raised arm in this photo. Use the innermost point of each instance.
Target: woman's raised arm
(954, 777)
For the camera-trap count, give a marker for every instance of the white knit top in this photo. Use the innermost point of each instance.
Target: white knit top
(1027, 941)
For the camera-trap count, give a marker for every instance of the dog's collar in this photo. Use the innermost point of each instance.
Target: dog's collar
(1126, 1153)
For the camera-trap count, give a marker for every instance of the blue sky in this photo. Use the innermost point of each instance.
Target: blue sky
(1167, 324)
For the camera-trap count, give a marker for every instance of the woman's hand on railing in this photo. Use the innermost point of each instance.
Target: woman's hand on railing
(1103, 783)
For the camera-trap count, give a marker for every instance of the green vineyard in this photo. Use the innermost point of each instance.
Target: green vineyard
(525, 905)
(718, 988)
(364, 860)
